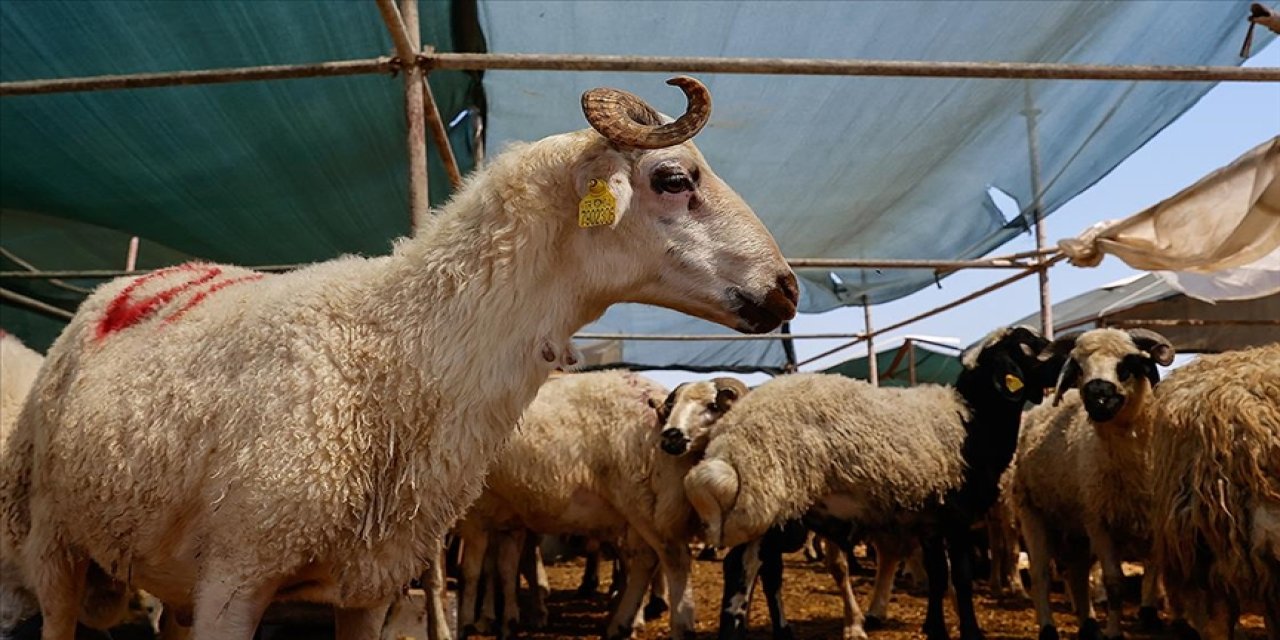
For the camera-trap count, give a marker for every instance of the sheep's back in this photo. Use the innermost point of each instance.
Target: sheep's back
(582, 455)
(800, 438)
(1217, 472)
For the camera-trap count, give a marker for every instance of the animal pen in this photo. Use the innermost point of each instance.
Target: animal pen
(414, 63)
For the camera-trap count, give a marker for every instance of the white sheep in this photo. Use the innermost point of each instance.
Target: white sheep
(226, 438)
(589, 459)
(1082, 481)
(853, 459)
(1216, 490)
(18, 368)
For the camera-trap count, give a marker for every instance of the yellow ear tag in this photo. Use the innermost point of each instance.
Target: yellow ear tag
(597, 207)
(1012, 383)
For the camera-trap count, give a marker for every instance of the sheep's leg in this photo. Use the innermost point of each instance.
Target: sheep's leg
(1148, 613)
(837, 561)
(1112, 580)
(536, 574)
(229, 610)
(590, 575)
(508, 576)
(1037, 539)
(935, 566)
(1077, 566)
(740, 567)
(475, 546)
(960, 552)
(1272, 620)
(359, 624)
(675, 567)
(641, 562)
(888, 558)
(433, 583)
(659, 592)
(59, 582)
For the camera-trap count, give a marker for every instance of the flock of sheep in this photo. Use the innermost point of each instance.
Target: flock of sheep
(224, 439)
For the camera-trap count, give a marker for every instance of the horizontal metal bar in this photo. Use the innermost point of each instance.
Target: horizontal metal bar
(797, 263)
(1189, 322)
(689, 337)
(206, 76)
(35, 305)
(847, 67)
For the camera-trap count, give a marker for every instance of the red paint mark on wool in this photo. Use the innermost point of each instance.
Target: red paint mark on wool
(127, 309)
(199, 297)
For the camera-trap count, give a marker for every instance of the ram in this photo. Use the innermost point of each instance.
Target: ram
(227, 438)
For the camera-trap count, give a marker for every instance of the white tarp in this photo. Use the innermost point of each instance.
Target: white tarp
(1217, 239)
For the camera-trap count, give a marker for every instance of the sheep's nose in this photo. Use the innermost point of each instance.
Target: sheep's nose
(1102, 400)
(674, 442)
(789, 287)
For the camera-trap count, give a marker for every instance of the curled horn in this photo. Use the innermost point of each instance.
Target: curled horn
(628, 121)
(1158, 346)
(729, 391)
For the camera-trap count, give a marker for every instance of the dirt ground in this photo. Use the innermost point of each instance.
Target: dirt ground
(814, 608)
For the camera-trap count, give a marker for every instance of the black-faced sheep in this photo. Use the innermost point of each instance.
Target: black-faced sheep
(853, 459)
(1082, 480)
(1216, 490)
(226, 438)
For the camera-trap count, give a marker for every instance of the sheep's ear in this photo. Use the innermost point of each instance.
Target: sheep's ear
(609, 169)
(1069, 378)
(1154, 344)
(663, 407)
(728, 391)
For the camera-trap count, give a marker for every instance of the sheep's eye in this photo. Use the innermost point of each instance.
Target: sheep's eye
(1123, 373)
(671, 179)
(713, 407)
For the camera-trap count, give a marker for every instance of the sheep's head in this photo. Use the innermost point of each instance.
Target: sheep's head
(670, 232)
(1008, 360)
(690, 411)
(1114, 369)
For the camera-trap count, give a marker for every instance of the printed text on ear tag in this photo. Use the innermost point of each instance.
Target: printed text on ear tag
(1012, 383)
(597, 207)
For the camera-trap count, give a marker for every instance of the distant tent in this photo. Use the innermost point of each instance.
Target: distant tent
(937, 365)
(1194, 326)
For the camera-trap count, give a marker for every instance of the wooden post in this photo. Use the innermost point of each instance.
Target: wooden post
(402, 24)
(911, 362)
(873, 367)
(1037, 209)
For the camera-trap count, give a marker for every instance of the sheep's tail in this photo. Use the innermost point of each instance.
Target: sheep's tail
(712, 489)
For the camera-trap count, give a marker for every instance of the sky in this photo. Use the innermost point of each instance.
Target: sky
(1229, 120)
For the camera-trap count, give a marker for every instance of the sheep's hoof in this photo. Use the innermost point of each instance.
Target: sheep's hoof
(935, 630)
(872, 623)
(856, 633)
(708, 554)
(510, 628)
(1089, 630)
(1149, 620)
(1048, 632)
(588, 588)
(537, 619)
(1182, 630)
(623, 633)
(971, 634)
(655, 609)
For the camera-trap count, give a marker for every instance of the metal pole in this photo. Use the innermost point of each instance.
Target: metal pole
(131, 258)
(35, 305)
(715, 337)
(1037, 209)
(911, 362)
(936, 310)
(781, 66)
(440, 135)
(404, 31)
(847, 67)
(873, 367)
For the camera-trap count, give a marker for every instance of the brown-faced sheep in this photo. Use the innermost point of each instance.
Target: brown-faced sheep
(1216, 493)
(602, 455)
(225, 438)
